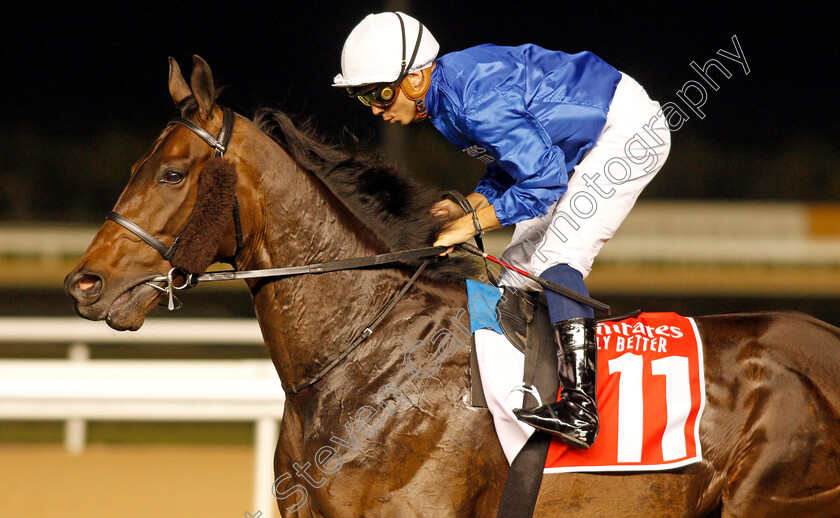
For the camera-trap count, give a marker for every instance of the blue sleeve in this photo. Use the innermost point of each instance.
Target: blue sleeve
(524, 150)
(494, 183)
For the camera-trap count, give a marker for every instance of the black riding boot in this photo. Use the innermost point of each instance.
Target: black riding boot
(574, 418)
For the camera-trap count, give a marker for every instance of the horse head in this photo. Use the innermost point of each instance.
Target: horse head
(175, 212)
(302, 200)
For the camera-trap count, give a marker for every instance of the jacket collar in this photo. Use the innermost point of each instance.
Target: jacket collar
(431, 99)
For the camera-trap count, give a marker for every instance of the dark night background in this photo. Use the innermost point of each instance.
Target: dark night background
(83, 94)
(84, 91)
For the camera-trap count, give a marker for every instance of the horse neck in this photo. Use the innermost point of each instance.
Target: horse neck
(294, 219)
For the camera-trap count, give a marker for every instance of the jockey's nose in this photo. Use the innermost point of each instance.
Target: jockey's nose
(85, 287)
(376, 109)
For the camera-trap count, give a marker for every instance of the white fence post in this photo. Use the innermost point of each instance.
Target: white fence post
(75, 430)
(266, 431)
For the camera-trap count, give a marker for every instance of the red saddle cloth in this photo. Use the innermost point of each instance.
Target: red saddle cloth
(651, 395)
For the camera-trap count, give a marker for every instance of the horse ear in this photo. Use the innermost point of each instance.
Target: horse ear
(203, 87)
(178, 87)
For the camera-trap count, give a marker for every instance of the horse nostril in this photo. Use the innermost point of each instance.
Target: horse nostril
(84, 287)
(86, 282)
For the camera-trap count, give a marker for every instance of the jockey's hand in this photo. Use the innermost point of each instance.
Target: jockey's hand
(447, 210)
(456, 232)
(462, 229)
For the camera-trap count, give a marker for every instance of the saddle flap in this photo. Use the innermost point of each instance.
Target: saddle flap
(522, 317)
(524, 320)
(513, 322)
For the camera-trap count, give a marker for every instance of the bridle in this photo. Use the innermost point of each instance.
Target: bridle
(220, 144)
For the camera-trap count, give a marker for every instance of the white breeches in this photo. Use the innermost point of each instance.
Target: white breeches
(602, 189)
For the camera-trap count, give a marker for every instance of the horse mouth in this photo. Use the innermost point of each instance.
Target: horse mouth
(128, 311)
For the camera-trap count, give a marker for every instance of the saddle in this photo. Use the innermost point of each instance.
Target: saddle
(524, 321)
(523, 318)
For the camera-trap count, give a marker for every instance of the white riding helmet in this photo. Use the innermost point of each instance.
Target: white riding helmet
(377, 49)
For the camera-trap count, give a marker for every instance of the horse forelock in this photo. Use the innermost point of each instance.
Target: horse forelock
(394, 206)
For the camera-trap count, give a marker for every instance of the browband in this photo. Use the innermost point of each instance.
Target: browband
(219, 143)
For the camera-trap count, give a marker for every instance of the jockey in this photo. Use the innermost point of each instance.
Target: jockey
(569, 143)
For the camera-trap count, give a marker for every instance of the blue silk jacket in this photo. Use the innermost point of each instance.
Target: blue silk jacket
(529, 113)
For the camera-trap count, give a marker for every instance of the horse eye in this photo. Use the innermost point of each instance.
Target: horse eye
(172, 177)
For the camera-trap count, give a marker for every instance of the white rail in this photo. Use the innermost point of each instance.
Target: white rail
(683, 231)
(69, 330)
(79, 389)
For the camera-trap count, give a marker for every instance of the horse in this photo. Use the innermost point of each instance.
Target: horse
(370, 437)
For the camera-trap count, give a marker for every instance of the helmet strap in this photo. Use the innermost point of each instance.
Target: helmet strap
(420, 106)
(406, 67)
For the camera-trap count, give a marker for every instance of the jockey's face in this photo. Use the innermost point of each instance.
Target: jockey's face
(401, 111)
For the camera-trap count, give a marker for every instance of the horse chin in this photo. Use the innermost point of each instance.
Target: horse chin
(129, 310)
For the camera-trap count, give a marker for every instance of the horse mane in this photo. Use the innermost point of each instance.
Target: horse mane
(393, 206)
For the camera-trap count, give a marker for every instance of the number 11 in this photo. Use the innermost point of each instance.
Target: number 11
(631, 406)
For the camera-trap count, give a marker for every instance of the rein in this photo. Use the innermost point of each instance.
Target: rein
(191, 281)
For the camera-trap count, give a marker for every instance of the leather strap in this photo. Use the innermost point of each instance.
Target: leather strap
(331, 266)
(165, 251)
(365, 334)
(219, 143)
(461, 200)
(519, 497)
(237, 227)
(226, 131)
(532, 349)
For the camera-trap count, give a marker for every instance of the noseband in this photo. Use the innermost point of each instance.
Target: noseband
(219, 143)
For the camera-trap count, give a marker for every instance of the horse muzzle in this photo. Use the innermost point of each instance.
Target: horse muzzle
(123, 307)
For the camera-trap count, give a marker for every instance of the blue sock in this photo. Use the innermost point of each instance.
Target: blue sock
(563, 308)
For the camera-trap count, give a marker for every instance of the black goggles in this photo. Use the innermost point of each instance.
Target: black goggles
(383, 94)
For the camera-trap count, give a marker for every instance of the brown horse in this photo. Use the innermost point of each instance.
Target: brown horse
(373, 438)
